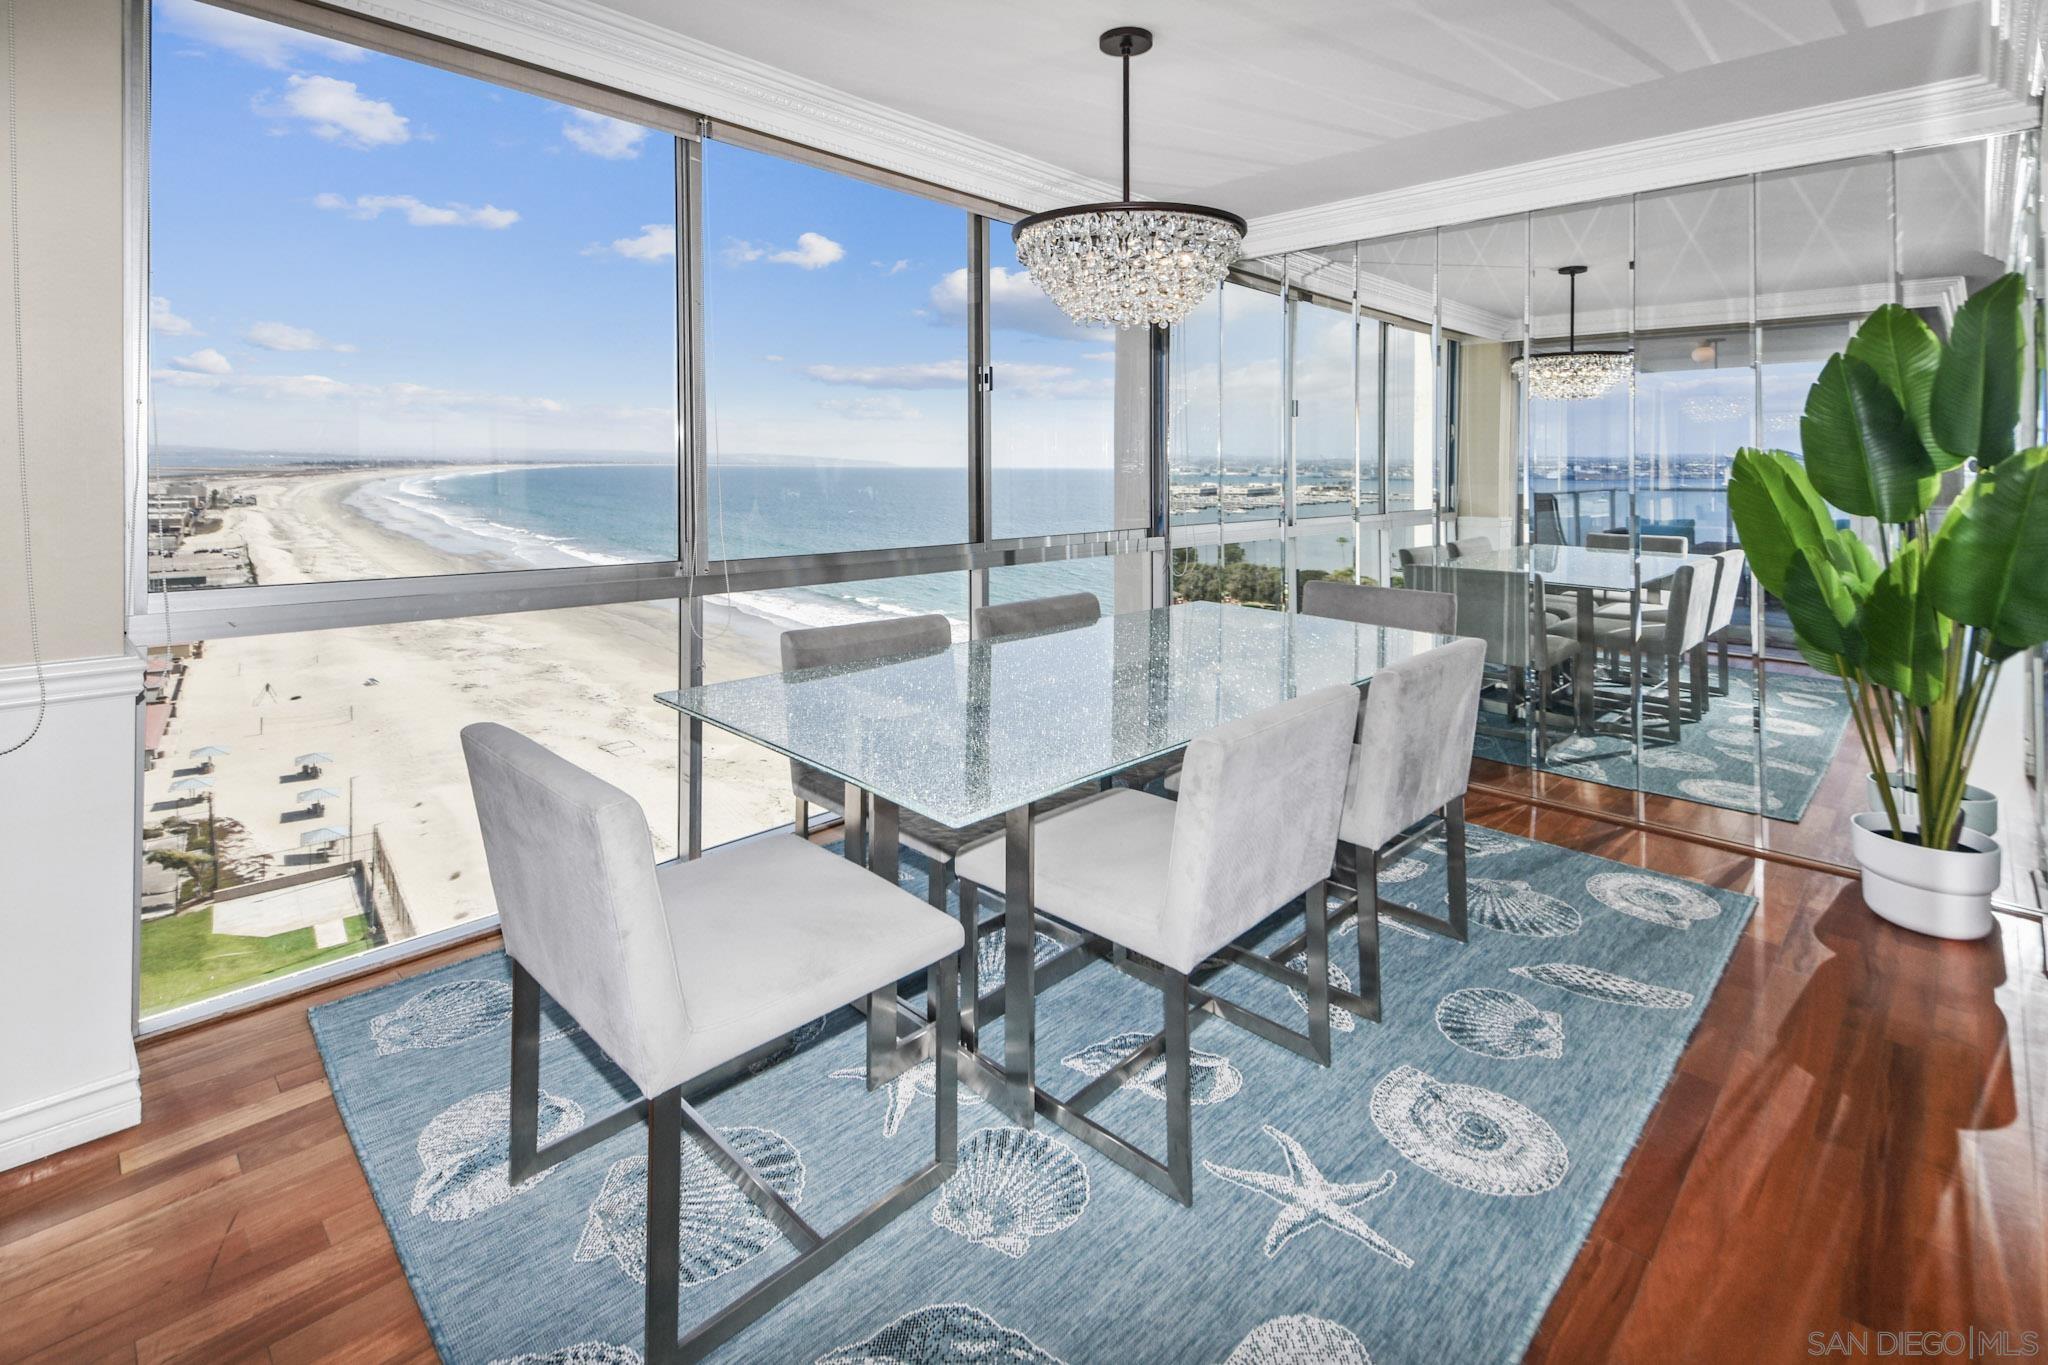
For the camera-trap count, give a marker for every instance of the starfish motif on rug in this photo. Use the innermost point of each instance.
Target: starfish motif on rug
(1307, 1199)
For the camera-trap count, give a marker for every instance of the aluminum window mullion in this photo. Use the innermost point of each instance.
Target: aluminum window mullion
(980, 410)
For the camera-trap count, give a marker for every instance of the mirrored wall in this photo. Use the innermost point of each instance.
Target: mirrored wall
(1571, 385)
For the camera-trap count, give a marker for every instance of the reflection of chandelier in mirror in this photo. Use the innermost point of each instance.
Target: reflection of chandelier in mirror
(1131, 264)
(1708, 352)
(1714, 408)
(1574, 374)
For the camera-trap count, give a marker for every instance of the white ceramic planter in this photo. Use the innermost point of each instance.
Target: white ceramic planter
(1980, 807)
(1943, 893)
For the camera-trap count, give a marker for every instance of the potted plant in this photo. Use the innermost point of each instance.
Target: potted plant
(1918, 626)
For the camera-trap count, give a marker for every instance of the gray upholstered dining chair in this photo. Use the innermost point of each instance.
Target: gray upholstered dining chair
(1471, 545)
(1063, 612)
(1500, 607)
(682, 972)
(861, 642)
(1670, 635)
(1409, 770)
(873, 642)
(1410, 556)
(1727, 589)
(1651, 545)
(1370, 605)
(1179, 883)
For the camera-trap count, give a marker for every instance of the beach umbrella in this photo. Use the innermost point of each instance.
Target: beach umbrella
(326, 834)
(209, 751)
(318, 794)
(192, 784)
(308, 760)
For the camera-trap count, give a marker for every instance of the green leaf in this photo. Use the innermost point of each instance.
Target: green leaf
(1823, 607)
(1862, 451)
(1990, 565)
(1975, 403)
(1904, 637)
(1777, 513)
(1903, 351)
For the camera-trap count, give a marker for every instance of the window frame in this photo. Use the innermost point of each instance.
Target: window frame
(165, 618)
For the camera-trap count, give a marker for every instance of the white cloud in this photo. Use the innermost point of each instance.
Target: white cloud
(601, 135)
(656, 242)
(164, 321)
(872, 407)
(938, 374)
(255, 40)
(1106, 357)
(207, 361)
(282, 336)
(772, 359)
(1015, 304)
(813, 251)
(338, 112)
(417, 212)
(891, 267)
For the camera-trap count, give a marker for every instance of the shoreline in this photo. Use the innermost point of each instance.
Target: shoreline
(388, 703)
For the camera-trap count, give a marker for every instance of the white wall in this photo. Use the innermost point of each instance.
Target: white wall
(67, 800)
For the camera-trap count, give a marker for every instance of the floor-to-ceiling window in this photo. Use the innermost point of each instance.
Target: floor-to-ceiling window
(473, 394)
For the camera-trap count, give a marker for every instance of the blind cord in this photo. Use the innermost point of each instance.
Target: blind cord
(28, 566)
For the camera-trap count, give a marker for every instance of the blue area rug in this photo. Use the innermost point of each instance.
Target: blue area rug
(1421, 1200)
(1714, 761)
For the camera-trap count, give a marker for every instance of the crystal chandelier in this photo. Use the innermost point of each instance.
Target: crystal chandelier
(1574, 374)
(1128, 264)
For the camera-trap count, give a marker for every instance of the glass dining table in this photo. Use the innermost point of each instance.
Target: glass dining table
(1589, 576)
(993, 728)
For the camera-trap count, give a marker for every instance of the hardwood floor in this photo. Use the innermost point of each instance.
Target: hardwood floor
(1856, 1138)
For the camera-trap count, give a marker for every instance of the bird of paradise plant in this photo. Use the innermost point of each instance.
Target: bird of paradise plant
(1917, 629)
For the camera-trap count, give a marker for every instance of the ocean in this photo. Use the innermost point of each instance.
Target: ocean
(546, 516)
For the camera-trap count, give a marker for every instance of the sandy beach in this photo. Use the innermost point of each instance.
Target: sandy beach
(388, 703)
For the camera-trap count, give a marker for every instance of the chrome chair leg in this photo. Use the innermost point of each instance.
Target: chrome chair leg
(801, 825)
(1368, 987)
(1454, 866)
(1674, 701)
(970, 960)
(1316, 913)
(671, 1120)
(1180, 1138)
(664, 1225)
(1721, 646)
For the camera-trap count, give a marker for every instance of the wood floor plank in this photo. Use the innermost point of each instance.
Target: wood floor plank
(1856, 1136)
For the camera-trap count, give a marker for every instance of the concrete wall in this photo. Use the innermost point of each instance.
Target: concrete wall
(67, 799)
(70, 134)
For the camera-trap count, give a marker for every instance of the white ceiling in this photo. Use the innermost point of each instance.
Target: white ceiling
(1266, 109)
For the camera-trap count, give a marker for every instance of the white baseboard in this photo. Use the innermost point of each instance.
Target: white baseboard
(40, 1127)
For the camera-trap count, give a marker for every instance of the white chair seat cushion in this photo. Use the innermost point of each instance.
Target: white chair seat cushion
(1100, 865)
(770, 934)
(1618, 611)
(1611, 634)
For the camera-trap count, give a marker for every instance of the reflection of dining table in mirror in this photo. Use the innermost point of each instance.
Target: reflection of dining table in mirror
(1586, 578)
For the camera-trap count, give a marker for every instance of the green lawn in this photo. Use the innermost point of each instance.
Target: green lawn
(184, 960)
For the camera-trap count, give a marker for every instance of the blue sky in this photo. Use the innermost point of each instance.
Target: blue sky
(361, 256)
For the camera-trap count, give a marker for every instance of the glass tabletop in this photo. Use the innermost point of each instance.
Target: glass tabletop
(1576, 566)
(988, 726)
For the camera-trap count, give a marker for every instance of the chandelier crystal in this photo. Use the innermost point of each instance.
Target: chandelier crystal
(1573, 375)
(1714, 409)
(1128, 264)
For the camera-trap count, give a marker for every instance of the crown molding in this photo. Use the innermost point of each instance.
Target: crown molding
(596, 43)
(69, 680)
(1946, 111)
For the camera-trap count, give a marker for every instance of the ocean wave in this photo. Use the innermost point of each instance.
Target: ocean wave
(411, 507)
